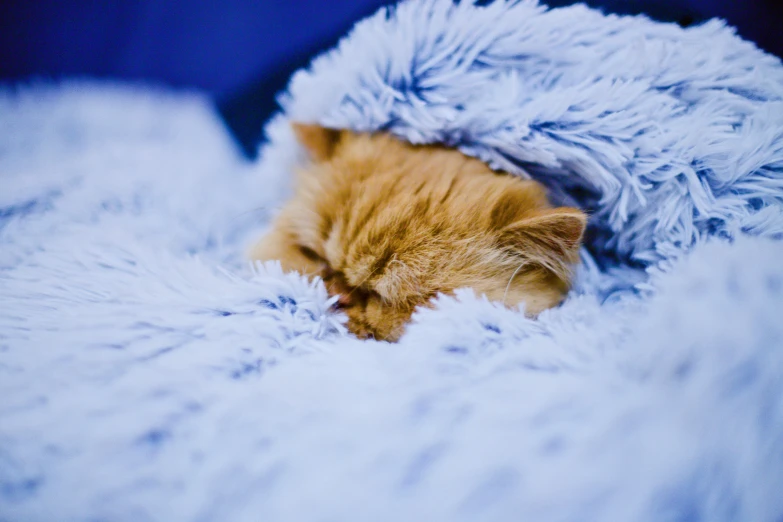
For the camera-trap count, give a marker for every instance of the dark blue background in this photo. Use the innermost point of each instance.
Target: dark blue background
(214, 45)
(243, 51)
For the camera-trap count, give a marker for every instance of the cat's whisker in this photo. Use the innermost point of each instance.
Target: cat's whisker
(242, 214)
(358, 286)
(508, 286)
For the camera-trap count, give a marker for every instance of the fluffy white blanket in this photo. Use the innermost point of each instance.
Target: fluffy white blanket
(146, 373)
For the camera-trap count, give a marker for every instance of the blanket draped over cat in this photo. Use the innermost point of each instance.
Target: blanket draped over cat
(147, 374)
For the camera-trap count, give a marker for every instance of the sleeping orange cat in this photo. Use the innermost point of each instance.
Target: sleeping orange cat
(388, 225)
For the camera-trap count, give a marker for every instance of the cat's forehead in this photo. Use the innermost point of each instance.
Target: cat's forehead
(395, 215)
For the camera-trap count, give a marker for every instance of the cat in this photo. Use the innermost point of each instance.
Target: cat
(388, 225)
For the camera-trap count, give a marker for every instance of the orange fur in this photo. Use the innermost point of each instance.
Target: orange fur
(389, 225)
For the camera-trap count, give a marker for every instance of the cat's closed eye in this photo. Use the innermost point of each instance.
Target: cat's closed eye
(405, 223)
(310, 254)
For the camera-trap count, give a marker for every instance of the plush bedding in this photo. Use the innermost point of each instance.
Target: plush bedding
(148, 372)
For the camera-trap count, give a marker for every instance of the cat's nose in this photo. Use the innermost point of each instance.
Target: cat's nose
(344, 300)
(336, 285)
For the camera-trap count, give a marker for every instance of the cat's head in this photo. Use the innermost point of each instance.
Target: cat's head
(390, 225)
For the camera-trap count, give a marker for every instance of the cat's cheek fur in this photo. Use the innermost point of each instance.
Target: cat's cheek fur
(277, 245)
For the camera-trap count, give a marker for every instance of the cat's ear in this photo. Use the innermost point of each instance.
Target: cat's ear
(550, 238)
(516, 202)
(319, 141)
